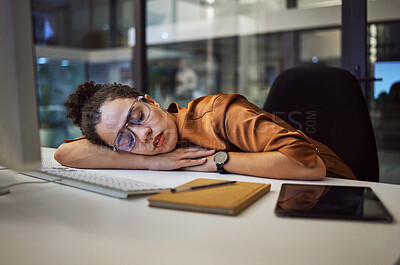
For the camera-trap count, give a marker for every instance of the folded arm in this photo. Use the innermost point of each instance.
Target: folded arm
(271, 148)
(266, 164)
(84, 154)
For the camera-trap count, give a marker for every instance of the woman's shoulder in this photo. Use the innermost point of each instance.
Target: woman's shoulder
(218, 103)
(215, 101)
(211, 103)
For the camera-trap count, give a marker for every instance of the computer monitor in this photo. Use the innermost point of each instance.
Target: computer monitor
(19, 129)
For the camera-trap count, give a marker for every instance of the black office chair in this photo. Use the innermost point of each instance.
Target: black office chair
(327, 104)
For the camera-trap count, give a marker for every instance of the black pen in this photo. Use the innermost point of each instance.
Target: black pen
(186, 188)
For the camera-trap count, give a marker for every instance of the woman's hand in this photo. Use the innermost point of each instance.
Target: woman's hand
(208, 166)
(84, 154)
(181, 158)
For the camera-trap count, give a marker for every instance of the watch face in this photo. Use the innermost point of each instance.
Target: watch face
(221, 157)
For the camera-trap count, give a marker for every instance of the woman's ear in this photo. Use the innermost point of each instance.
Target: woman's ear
(151, 101)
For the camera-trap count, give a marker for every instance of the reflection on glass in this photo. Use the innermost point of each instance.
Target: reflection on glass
(77, 41)
(300, 198)
(384, 95)
(247, 65)
(321, 47)
(337, 202)
(180, 72)
(317, 3)
(386, 105)
(323, 201)
(83, 24)
(200, 47)
(56, 79)
(388, 86)
(183, 11)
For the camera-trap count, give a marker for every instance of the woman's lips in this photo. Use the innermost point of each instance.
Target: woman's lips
(159, 140)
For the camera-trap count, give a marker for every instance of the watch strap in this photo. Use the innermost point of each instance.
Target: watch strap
(221, 169)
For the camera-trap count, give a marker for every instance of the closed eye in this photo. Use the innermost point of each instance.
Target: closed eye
(136, 121)
(139, 114)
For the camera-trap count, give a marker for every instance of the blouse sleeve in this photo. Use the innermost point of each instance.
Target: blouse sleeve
(253, 130)
(295, 145)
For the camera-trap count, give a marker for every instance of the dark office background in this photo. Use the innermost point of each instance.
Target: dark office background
(199, 47)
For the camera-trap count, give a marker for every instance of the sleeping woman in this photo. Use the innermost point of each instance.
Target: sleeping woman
(126, 129)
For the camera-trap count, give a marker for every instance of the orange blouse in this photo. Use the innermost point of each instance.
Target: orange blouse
(230, 122)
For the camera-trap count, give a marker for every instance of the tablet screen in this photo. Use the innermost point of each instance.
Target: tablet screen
(334, 202)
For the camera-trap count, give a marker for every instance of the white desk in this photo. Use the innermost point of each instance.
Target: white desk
(56, 224)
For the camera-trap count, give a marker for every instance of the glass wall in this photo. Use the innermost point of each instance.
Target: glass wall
(78, 40)
(200, 47)
(220, 46)
(321, 47)
(91, 24)
(247, 65)
(384, 95)
(56, 79)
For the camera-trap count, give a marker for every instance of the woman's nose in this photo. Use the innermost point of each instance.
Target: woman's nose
(142, 132)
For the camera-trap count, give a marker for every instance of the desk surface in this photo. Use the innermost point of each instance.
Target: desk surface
(56, 224)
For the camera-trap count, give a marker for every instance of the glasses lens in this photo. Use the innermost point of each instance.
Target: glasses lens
(125, 141)
(140, 113)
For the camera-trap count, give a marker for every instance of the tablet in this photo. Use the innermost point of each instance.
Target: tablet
(333, 202)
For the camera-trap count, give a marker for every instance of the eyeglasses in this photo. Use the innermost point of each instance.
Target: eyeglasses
(138, 114)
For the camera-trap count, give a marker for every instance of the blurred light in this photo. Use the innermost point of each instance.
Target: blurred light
(373, 40)
(210, 13)
(314, 59)
(48, 30)
(131, 37)
(164, 35)
(373, 30)
(106, 26)
(64, 63)
(42, 60)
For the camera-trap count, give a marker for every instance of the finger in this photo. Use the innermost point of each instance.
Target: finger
(192, 162)
(198, 154)
(199, 148)
(194, 168)
(193, 148)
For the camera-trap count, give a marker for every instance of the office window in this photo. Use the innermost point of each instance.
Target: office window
(236, 46)
(247, 65)
(195, 48)
(56, 79)
(320, 47)
(384, 95)
(106, 72)
(201, 47)
(317, 3)
(92, 24)
(76, 41)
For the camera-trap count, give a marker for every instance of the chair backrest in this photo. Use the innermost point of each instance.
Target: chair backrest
(327, 104)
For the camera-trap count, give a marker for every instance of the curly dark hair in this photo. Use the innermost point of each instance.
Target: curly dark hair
(83, 106)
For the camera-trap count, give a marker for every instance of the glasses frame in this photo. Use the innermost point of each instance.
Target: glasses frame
(127, 123)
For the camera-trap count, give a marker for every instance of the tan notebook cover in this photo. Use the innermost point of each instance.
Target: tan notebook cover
(228, 199)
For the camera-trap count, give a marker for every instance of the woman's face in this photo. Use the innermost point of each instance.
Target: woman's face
(154, 133)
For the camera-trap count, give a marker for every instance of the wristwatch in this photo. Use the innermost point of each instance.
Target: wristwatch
(220, 159)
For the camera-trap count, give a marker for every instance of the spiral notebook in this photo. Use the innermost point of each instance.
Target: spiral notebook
(228, 199)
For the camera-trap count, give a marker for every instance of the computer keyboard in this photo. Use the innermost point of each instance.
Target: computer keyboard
(94, 181)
